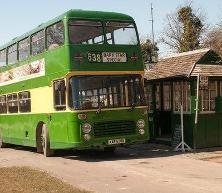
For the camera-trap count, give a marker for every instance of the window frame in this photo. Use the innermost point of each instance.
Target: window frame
(167, 84)
(122, 96)
(201, 100)
(46, 35)
(6, 106)
(11, 101)
(16, 51)
(29, 48)
(24, 99)
(44, 40)
(85, 42)
(183, 93)
(121, 21)
(60, 107)
(5, 50)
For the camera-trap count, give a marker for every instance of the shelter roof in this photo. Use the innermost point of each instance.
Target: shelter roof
(186, 64)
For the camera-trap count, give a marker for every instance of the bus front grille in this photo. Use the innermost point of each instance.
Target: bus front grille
(114, 128)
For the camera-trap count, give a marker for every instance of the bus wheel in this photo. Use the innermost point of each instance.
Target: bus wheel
(46, 141)
(109, 149)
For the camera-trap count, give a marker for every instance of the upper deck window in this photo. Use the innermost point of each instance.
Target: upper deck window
(24, 49)
(12, 54)
(86, 32)
(55, 35)
(122, 33)
(38, 42)
(3, 57)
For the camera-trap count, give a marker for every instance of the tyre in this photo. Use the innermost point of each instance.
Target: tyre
(45, 142)
(109, 149)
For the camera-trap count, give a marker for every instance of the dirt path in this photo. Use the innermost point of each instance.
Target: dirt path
(136, 169)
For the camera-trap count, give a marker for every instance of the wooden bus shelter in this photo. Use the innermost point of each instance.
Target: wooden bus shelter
(191, 79)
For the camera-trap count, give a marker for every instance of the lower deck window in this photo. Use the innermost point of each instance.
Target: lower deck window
(12, 103)
(24, 102)
(3, 104)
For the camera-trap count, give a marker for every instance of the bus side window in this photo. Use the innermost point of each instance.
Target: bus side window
(24, 49)
(12, 54)
(3, 57)
(59, 95)
(12, 103)
(55, 35)
(38, 42)
(3, 104)
(24, 102)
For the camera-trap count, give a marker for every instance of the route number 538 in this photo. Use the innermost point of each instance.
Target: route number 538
(94, 57)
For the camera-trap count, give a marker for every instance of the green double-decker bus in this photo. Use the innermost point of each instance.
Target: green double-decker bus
(74, 82)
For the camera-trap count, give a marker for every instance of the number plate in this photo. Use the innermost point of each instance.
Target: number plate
(114, 57)
(116, 141)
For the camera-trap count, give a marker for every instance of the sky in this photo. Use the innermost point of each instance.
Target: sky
(18, 17)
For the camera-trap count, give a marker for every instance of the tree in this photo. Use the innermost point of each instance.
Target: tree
(149, 51)
(184, 29)
(214, 39)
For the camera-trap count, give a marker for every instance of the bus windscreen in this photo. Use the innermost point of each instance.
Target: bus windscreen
(85, 32)
(92, 32)
(122, 33)
(90, 92)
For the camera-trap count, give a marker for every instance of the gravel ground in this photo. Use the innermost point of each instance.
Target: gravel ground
(27, 180)
(208, 154)
(136, 169)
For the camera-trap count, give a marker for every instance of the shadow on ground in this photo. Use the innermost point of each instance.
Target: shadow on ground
(148, 150)
(121, 153)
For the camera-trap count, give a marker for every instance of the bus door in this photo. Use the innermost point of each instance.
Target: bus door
(162, 110)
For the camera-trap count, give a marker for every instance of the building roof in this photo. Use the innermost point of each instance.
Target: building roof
(207, 70)
(192, 63)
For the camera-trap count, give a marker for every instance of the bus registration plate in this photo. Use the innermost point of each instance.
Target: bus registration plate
(114, 57)
(116, 141)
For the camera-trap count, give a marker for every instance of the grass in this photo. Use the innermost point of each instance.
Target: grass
(27, 180)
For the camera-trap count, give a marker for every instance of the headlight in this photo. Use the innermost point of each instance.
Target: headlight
(87, 137)
(82, 116)
(140, 123)
(86, 128)
(141, 131)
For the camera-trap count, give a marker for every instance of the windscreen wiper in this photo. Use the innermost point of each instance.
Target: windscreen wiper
(100, 106)
(133, 105)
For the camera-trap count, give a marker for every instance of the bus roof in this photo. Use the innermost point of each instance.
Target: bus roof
(100, 15)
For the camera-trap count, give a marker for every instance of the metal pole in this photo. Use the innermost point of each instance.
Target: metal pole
(152, 21)
(182, 145)
(181, 121)
(197, 99)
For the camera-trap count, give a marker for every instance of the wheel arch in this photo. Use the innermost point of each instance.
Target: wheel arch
(38, 136)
